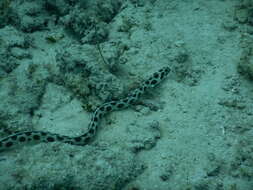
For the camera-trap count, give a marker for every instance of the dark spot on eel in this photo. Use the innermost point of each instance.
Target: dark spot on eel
(50, 139)
(36, 137)
(22, 139)
(9, 144)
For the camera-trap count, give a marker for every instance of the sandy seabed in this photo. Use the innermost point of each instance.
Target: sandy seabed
(62, 59)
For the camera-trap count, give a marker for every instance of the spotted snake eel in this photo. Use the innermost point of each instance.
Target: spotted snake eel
(41, 136)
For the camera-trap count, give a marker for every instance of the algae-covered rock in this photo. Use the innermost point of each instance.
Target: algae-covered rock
(245, 66)
(13, 47)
